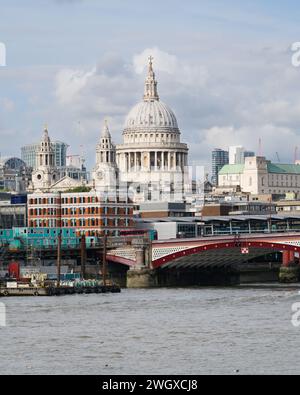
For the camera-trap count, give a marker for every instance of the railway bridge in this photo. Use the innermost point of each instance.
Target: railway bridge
(164, 261)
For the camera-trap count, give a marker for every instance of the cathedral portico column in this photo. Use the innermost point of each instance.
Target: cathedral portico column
(159, 160)
(169, 160)
(155, 161)
(165, 160)
(185, 160)
(130, 161)
(135, 161)
(139, 156)
(173, 161)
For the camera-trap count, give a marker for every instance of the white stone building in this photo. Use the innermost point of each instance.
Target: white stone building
(152, 162)
(45, 173)
(106, 174)
(47, 177)
(152, 157)
(260, 176)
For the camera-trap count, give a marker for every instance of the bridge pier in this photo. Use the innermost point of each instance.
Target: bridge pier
(289, 272)
(288, 258)
(141, 278)
(142, 275)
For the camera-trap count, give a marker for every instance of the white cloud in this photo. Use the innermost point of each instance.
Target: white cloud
(219, 104)
(70, 83)
(274, 139)
(6, 105)
(233, 96)
(163, 61)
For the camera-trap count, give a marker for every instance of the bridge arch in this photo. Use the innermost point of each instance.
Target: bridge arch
(121, 260)
(279, 247)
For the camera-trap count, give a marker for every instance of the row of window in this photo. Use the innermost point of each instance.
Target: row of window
(289, 208)
(44, 201)
(93, 222)
(74, 200)
(80, 211)
(82, 223)
(279, 191)
(288, 182)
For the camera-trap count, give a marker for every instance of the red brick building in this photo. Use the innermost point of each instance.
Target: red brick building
(91, 213)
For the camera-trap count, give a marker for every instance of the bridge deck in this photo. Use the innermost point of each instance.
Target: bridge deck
(227, 237)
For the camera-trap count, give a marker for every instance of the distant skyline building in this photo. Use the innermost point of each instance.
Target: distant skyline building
(75, 161)
(249, 154)
(236, 155)
(220, 158)
(29, 154)
(14, 174)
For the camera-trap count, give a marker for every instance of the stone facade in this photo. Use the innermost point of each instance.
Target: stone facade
(152, 156)
(152, 163)
(45, 173)
(259, 176)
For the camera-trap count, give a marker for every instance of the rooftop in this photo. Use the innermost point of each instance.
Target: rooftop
(238, 218)
(273, 168)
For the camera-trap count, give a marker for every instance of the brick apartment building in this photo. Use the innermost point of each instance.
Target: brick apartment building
(91, 213)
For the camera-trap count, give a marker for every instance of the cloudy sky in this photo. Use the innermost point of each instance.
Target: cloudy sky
(224, 67)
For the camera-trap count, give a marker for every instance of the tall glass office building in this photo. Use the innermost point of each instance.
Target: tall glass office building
(29, 152)
(220, 158)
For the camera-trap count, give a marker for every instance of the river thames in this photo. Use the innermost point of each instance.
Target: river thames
(159, 331)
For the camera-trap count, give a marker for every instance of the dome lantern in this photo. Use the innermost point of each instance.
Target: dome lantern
(151, 93)
(151, 114)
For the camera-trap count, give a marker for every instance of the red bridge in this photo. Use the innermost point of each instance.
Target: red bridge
(218, 252)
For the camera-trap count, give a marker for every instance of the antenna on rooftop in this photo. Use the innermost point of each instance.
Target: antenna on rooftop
(260, 147)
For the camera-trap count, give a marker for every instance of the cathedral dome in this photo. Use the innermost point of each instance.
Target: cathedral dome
(151, 113)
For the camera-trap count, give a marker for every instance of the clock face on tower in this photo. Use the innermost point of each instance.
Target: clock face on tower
(100, 175)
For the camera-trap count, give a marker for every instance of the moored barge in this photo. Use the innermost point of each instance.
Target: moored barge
(58, 291)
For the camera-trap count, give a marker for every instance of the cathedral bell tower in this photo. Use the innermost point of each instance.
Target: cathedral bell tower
(45, 174)
(105, 173)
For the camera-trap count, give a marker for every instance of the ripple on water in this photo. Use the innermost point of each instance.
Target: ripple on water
(185, 331)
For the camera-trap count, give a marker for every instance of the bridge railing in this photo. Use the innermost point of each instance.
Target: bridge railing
(253, 231)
